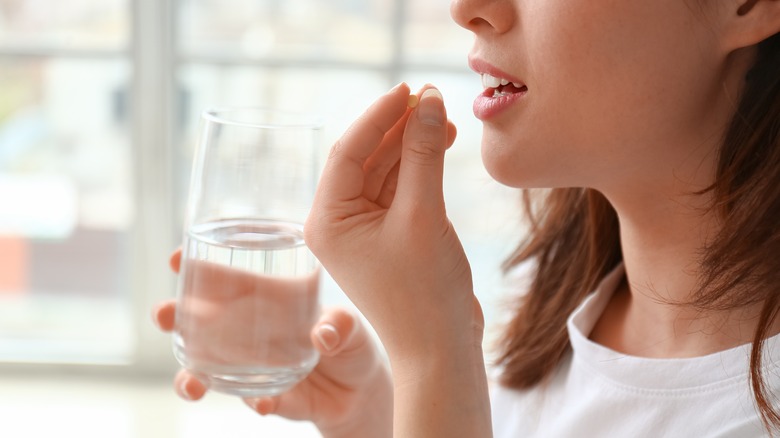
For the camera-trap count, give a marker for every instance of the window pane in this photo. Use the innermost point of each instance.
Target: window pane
(348, 30)
(65, 210)
(75, 24)
(431, 36)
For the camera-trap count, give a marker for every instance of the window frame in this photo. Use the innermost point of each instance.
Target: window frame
(155, 58)
(149, 52)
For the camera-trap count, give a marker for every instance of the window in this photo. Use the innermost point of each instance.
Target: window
(99, 107)
(66, 182)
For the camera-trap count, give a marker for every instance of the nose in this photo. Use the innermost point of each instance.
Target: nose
(481, 16)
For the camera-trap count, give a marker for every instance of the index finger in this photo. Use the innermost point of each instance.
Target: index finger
(343, 177)
(164, 315)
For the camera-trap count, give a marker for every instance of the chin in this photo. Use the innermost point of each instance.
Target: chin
(502, 170)
(536, 163)
(504, 164)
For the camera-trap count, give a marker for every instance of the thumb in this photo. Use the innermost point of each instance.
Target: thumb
(336, 331)
(422, 158)
(347, 351)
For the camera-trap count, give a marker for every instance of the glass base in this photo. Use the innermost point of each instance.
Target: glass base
(247, 381)
(256, 385)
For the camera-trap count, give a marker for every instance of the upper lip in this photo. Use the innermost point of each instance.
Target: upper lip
(481, 66)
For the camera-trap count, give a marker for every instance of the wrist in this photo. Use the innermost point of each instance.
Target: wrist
(442, 394)
(439, 363)
(442, 336)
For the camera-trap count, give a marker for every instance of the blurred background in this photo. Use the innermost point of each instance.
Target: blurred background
(99, 108)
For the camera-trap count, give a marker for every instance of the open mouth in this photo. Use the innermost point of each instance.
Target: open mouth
(497, 87)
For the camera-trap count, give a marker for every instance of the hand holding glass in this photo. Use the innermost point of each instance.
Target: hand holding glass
(248, 289)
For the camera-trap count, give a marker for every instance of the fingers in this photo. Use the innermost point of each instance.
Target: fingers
(263, 406)
(164, 312)
(452, 133)
(343, 177)
(188, 387)
(334, 332)
(348, 353)
(422, 160)
(384, 159)
(163, 315)
(386, 195)
(348, 361)
(175, 261)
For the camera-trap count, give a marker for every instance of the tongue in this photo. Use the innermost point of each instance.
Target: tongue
(510, 88)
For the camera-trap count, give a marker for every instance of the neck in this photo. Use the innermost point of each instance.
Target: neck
(662, 237)
(664, 228)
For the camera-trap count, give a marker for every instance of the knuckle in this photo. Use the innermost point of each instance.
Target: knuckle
(311, 236)
(336, 149)
(424, 152)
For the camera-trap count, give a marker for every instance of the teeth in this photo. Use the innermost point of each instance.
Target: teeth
(489, 81)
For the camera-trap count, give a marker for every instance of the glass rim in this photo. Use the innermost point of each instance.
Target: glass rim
(290, 120)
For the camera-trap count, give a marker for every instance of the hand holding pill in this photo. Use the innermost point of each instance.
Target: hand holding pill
(379, 210)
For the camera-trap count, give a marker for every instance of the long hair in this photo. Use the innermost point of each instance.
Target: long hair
(574, 242)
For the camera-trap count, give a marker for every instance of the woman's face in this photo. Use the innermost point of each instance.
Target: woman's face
(606, 94)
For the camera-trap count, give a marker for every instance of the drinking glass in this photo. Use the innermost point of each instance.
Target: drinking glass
(247, 297)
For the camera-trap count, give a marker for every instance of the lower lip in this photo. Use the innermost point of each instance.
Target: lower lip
(486, 106)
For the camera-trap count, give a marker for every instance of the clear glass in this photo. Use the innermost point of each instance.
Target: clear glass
(66, 211)
(248, 289)
(338, 95)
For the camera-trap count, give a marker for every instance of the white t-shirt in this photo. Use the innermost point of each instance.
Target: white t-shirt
(598, 392)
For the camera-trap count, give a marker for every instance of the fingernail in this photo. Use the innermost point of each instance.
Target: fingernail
(392, 90)
(265, 406)
(252, 403)
(262, 406)
(328, 336)
(183, 390)
(430, 109)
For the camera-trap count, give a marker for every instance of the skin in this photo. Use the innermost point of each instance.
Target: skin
(349, 393)
(401, 263)
(218, 314)
(625, 97)
(331, 394)
(648, 89)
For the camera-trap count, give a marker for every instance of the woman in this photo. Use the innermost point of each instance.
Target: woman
(656, 125)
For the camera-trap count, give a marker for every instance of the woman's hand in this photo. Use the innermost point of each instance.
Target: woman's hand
(349, 392)
(379, 226)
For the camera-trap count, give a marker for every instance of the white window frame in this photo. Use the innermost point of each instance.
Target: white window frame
(153, 52)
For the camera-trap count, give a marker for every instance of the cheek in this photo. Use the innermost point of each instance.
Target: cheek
(611, 89)
(611, 85)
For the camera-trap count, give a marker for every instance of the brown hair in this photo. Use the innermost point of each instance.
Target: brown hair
(574, 241)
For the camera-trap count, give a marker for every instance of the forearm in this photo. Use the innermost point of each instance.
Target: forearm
(442, 395)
